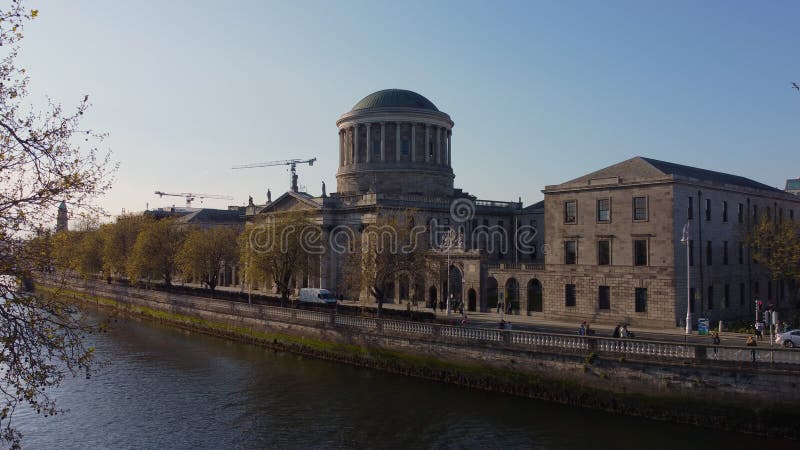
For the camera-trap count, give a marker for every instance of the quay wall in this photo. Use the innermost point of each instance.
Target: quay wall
(677, 382)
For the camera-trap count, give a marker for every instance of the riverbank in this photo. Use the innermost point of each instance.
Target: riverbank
(713, 396)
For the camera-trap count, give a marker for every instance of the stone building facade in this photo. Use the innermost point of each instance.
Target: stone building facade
(604, 247)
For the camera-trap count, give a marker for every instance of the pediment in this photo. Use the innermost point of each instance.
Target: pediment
(292, 201)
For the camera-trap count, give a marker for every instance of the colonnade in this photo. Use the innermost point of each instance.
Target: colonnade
(438, 153)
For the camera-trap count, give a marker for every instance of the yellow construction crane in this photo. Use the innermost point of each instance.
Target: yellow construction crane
(292, 163)
(190, 197)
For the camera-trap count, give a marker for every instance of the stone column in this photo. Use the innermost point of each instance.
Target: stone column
(324, 262)
(438, 145)
(383, 141)
(449, 148)
(427, 143)
(355, 144)
(341, 148)
(369, 141)
(397, 140)
(413, 141)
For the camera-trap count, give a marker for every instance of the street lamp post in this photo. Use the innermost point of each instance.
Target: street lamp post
(686, 241)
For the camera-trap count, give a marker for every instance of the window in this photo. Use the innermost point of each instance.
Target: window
(571, 211)
(769, 290)
(604, 297)
(740, 213)
(741, 253)
(756, 288)
(708, 209)
(726, 297)
(430, 151)
(569, 295)
(405, 147)
(724, 211)
(571, 252)
(640, 252)
(741, 294)
(376, 148)
(710, 298)
(603, 252)
(690, 209)
(641, 300)
(639, 208)
(791, 214)
(709, 254)
(769, 213)
(604, 210)
(725, 253)
(691, 252)
(691, 300)
(780, 215)
(755, 213)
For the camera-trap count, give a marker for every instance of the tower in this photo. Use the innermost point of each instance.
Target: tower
(62, 221)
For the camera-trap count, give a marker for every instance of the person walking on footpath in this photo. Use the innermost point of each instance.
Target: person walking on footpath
(623, 331)
(715, 340)
(616, 332)
(582, 329)
(760, 330)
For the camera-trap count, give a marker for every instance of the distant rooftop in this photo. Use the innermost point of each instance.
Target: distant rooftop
(707, 175)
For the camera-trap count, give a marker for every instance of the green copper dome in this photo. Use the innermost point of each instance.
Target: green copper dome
(395, 98)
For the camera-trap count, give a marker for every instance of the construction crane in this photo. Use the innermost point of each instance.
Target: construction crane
(190, 197)
(292, 163)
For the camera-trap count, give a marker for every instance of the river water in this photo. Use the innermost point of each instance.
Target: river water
(167, 388)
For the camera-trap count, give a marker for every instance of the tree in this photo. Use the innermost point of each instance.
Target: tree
(390, 246)
(206, 251)
(279, 249)
(154, 254)
(776, 246)
(41, 164)
(118, 241)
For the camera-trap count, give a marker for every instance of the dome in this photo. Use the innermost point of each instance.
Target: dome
(395, 98)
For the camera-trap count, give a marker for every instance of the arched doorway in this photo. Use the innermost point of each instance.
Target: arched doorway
(512, 296)
(472, 300)
(454, 287)
(491, 293)
(432, 297)
(534, 296)
(403, 288)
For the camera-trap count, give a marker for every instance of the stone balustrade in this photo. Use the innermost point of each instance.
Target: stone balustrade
(525, 340)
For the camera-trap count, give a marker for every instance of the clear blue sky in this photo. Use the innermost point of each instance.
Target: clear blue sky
(540, 92)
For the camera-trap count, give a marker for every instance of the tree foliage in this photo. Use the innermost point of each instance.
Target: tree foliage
(45, 157)
(776, 246)
(280, 249)
(118, 241)
(155, 251)
(390, 246)
(205, 251)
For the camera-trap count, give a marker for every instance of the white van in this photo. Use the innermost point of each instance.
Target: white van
(314, 295)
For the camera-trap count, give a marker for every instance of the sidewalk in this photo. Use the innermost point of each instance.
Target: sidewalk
(536, 322)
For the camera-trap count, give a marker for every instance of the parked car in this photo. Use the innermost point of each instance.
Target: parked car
(789, 339)
(314, 295)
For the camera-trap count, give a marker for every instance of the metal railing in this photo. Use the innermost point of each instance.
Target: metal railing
(523, 340)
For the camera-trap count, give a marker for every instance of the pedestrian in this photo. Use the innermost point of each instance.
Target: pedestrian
(582, 329)
(623, 331)
(715, 340)
(502, 324)
(589, 331)
(464, 321)
(616, 332)
(760, 330)
(433, 305)
(751, 343)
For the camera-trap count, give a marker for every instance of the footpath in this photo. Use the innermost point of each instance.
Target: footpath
(535, 322)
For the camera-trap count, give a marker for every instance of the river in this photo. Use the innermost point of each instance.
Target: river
(167, 388)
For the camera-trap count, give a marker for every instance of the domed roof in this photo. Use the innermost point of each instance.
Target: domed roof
(395, 98)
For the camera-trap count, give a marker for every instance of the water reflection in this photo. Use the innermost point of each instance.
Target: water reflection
(168, 388)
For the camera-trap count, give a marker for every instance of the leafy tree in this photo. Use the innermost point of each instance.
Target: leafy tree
(391, 245)
(205, 251)
(154, 254)
(118, 241)
(280, 249)
(776, 246)
(41, 164)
